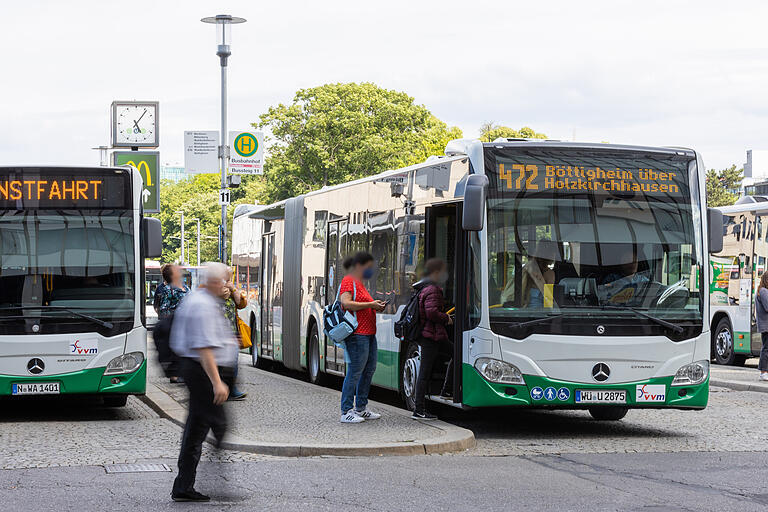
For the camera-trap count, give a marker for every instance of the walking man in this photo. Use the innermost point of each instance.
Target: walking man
(204, 342)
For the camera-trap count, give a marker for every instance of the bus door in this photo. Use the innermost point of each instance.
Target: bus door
(267, 294)
(337, 249)
(446, 240)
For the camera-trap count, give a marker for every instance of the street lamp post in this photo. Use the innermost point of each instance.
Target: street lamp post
(198, 240)
(223, 24)
(182, 236)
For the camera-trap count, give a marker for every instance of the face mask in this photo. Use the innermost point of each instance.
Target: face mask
(368, 273)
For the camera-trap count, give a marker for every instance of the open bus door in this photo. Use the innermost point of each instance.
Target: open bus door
(446, 240)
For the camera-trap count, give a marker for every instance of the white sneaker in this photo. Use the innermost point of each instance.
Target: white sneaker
(368, 414)
(351, 417)
(764, 376)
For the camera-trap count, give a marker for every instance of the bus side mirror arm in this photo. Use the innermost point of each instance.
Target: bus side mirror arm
(152, 238)
(473, 215)
(715, 227)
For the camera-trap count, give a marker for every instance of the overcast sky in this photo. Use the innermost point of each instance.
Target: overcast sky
(688, 73)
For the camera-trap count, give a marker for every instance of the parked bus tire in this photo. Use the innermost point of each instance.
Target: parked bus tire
(722, 343)
(608, 413)
(115, 400)
(409, 371)
(313, 358)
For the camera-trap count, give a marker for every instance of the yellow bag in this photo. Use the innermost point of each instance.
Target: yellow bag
(245, 333)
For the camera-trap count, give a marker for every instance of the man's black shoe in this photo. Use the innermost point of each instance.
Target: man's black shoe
(192, 495)
(423, 416)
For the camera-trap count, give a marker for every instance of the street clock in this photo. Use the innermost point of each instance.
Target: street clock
(135, 124)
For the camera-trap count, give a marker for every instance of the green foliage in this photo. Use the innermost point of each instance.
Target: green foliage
(340, 132)
(720, 184)
(490, 131)
(197, 197)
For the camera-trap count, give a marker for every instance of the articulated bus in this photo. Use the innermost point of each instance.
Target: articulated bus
(578, 273)
(72, 248)
(736, 272)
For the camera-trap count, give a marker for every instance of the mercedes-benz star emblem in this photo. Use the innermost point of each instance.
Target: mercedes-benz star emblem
(35, 366)
(600, 372)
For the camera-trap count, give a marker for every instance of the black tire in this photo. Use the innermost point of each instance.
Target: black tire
(316, 375)
(612, 413)
(256, 360)
(115, 400)
(409, 369)
(722, 343)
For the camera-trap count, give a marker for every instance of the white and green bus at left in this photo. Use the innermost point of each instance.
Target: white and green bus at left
(72, 248)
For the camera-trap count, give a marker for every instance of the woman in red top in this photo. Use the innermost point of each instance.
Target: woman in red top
(361, 350)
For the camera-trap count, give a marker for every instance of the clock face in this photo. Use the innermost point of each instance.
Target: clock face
(136, 124)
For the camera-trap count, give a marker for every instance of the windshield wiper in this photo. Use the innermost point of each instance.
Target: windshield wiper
(534, 321)
(668, 325)
(103, 323)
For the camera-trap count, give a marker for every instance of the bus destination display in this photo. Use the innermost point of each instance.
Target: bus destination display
(28, 189)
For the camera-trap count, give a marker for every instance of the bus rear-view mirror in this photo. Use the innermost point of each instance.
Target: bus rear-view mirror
(715, 226)
(474, 202)
(151, 237)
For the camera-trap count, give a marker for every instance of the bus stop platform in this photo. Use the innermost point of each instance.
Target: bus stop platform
(288, 417)
(739, 378)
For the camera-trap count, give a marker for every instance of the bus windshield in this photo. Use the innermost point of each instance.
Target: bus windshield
(57, 266)
(594, 242)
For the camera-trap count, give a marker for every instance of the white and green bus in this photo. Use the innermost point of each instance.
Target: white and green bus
(578, 273)
(72, 248)
(736, 272)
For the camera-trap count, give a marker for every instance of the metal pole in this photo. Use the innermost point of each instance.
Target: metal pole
(198, 242)
(224, 149)
(182, 237)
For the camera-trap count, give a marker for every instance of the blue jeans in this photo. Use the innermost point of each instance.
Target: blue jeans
(360, 355)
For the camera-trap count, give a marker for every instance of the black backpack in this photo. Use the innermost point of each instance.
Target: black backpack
(408, 326)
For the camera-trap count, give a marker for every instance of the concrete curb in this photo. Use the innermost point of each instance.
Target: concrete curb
(738, 385)
(455, 438)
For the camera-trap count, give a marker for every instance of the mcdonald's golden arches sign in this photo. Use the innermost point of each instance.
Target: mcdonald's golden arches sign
(148, 164)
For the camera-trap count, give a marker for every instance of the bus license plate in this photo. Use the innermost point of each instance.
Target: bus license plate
(600, 396)
(36, 388)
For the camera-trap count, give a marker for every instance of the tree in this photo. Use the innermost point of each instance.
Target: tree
(197, 197)
(340, 132)
(489, 131)
(722, 186)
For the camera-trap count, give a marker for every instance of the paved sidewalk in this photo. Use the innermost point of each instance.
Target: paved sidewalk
(289, 417)
(738, 378)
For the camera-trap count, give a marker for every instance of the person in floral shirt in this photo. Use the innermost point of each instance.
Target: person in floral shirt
(172, 293)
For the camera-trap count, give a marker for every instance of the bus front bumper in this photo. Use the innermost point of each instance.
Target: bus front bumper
(478, 392)
(89, 381)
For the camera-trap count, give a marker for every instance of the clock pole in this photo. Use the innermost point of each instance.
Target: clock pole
(223, 24)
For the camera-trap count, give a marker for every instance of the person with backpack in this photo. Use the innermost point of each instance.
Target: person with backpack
(433, 321)
(360, 350)
(761, 313)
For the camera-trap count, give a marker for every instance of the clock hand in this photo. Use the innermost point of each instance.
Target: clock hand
(142, 115)
(136, 122)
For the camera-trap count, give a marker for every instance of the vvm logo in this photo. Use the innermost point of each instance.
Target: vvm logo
(246, 144)
(651, 393)
(81, 348)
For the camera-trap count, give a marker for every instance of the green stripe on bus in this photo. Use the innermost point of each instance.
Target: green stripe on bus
(387, 369)
(478, 392)
(91, 380)
(743, 344)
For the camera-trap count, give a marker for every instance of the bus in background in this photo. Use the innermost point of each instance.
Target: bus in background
(72, 247)
(578, 273)
(246, 263)
(736, 272)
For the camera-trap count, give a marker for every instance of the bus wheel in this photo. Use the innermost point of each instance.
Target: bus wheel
(608, 413)
(115, 400)
(408, 375)
(313, 358)
(722, 345)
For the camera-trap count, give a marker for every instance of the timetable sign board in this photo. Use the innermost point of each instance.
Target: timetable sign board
(201, 151)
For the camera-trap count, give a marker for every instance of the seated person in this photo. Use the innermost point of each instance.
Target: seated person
(619, 286)
(538, 278)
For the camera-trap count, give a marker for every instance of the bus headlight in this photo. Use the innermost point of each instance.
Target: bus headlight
(494, 370)
(690, 374)
(126, 363)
